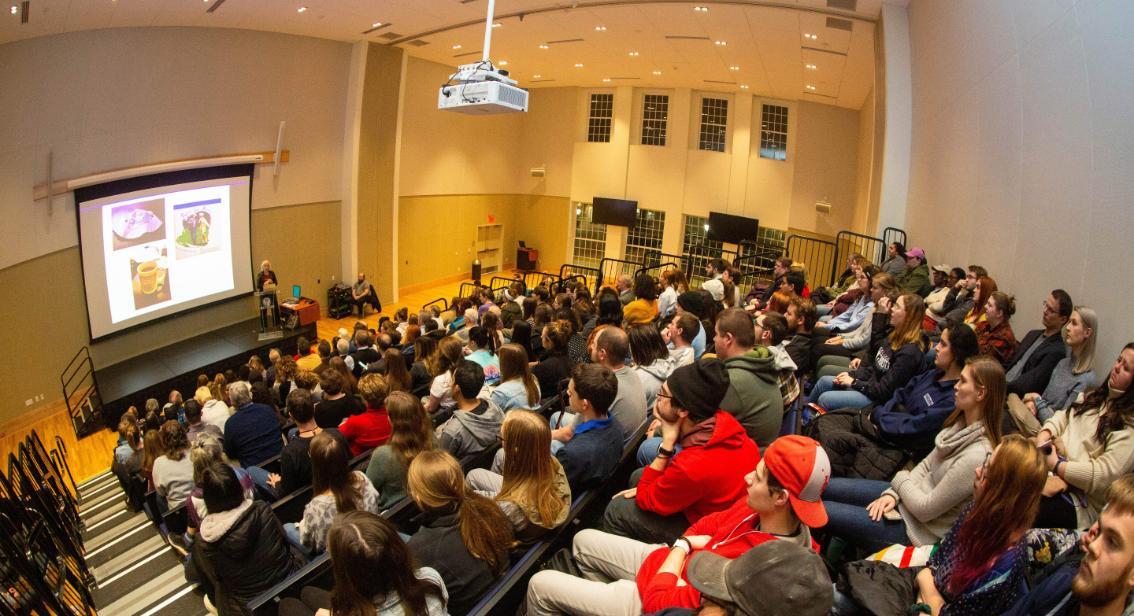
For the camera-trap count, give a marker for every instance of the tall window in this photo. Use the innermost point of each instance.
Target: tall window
(599, 118)
(590, 239)
(696, 249)
(645, 235)
(714, 124)
(655, 112)
(773, 132)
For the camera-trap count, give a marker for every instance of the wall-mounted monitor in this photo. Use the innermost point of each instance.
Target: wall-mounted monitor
(619, 212)
(731, 229)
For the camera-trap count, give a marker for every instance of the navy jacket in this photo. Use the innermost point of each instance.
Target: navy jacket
(590, 457)
(912, 418)
(252, 434)
(1038, 369)
(883, 373)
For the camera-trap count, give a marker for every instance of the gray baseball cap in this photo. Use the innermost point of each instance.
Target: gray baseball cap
(775, 577)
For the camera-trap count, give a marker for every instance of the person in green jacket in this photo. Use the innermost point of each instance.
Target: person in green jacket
(916, 277)
(753, 395)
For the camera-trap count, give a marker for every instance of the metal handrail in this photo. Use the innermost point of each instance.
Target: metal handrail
(440, 300)
(817, 252)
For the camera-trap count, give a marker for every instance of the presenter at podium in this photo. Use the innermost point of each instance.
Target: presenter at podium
(266, 278)
(363, 293)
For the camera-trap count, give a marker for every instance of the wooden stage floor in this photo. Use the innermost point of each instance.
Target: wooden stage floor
(92, 455)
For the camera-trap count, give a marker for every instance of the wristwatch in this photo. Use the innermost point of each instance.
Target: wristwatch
(665, 453)
(683, 544)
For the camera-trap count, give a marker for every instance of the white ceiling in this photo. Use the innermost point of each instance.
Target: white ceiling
(766, 39)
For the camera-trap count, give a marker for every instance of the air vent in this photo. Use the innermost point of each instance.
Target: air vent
(389, 36)
(625, 78)
(679, 37)
(417, 43)
(565, 41)
(835, 23)
(843, 5)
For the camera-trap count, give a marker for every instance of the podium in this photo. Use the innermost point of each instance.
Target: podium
(269, 307)
(526, 259)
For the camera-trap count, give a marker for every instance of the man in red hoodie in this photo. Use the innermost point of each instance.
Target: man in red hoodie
(624, 576)
(700, 465)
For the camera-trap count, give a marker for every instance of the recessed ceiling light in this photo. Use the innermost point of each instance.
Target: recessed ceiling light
(544, 46)
(701, 9)
(578, 65)
(811, 87)
(503, 63)
(15, 9)
(457, 46)
(657, 72)
(633, 54)
(808, 35)
(600, 28)
(734, 68)
(536, 76)
(743, 87)
(497, 25)
(720, 43)
(376, 24)
(810, 67)
(301, 9)
(606, 79)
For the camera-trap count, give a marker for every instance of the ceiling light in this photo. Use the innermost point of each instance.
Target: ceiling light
(457, 46)
(743, 87)
(600, 28)
(633, 54)
(734, 68)
(578, 65)
(720, 43)
(301, 9)
(376, 24)
(657, 72)
(536, 76)
(497, 24)
(15, 9)
(808, 35)
(701, 9)
(811, 87)
(606, 79)
(544, 46)
(810, 67)
(503, 63)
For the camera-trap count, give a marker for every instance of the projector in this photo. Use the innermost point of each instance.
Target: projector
(480, 89)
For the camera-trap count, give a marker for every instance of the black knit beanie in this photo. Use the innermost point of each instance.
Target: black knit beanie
(690, 301)
(699, 387)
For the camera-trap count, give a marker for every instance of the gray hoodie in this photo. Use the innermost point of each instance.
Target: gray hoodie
(468, 433)
(652, 377)
(753, 395)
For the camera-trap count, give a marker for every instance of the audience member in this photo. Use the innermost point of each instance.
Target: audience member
(777, 502)
(336, 489)
(673, 283)
(994, 334)
(895, 262)
(363, 293)
(370, 428)
(364, 353)
(985, 287)
(652, 361)
(306, 358)
(960, 298)
(349, 382)
(771, 329)
(336, 405)
(482, 351)
(1041, 349)
(682, 330)
(397, 375)
(523, 335)
(204, 454)
(243, 550)
(679, 488)
(944, 277)
(518, 389)
(931, 497)
(1072, 376)
(753, 394)
(440, 402)
(914, 278)
(594, 445)
(412, 433)
(883, 290)
(463, 536)
(801, 316)
(714, 285)
(424, 348)
(859, 311)
(1087, 447)
(474, 427)
(374, 574)
(624, 286)
(252, 433)
(644, 309)
(127, 452)
(295, 459)
(530, 485)
(173, 471)
(194, 424)
(693, 303)
(610, 347)
(555, 365)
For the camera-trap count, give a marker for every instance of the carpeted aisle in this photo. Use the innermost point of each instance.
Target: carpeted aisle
(137, 572)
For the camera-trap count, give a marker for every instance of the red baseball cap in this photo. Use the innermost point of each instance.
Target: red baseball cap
(803, 469)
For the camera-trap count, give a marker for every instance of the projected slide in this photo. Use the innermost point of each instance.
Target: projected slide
(162, 249)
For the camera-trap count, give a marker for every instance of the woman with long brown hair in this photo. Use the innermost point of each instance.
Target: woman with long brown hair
(897, 361)
(374, 575)
(464, 536)
(350, 384)
(518, 389)
(931, 497)
(555, 365)
(449, 354)
(397, 376)
(995, 334)
(336, 489)
(424, 348)
(986, 286)
(412, 434)
(172, 470)
(530, 486)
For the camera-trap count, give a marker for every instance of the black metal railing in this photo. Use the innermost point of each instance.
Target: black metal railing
(611, 269)
(468, 288)
(592, 275)
(893, 234)
(441, 301)
(816, 255)
(849, 242)
(80, 392)
(534, 279)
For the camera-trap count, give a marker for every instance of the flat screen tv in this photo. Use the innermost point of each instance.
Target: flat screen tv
(619, 212)
(731, 229)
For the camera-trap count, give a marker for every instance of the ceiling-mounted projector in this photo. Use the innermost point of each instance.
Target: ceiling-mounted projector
(481, 88)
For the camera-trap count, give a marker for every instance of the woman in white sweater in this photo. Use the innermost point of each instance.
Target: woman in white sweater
(919, 506)
(1091, 445)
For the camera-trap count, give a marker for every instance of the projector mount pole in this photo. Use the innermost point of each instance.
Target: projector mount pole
(488, 32)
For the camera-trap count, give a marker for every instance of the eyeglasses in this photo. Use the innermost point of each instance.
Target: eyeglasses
(662, 394)
(987, 457)
(1048, 309)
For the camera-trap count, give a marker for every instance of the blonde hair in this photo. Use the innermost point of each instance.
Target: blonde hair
(909, 330)
(514, 365)
(530, 469)
(203, 394)
(1085, 360)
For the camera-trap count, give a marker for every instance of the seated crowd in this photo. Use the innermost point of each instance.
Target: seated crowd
(882, 445)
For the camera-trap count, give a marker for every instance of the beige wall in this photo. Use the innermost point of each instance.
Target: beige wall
(826, 168)
(1023, 164)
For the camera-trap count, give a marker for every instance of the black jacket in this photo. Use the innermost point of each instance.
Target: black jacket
(248, 559)
(887, 370)
(438, 544)
(1038, 368)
